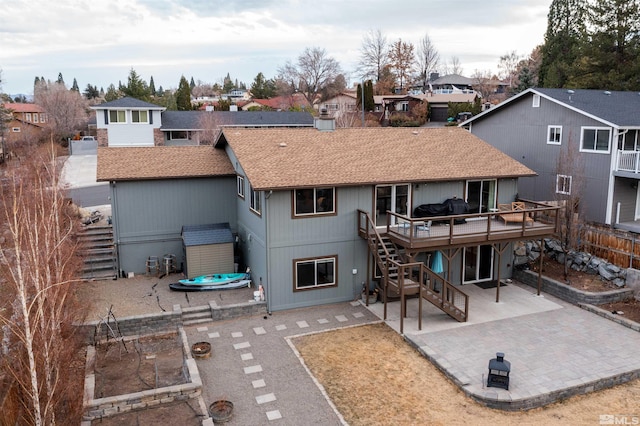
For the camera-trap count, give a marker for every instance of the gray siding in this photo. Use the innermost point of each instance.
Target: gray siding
(520, 131)
(150, 214)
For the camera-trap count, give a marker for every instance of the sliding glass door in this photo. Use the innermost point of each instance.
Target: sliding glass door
(395, 198)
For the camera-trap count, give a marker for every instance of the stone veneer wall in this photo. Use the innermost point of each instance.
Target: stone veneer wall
(103, 137)
(112, 405)
(158, 137)
(571, 294)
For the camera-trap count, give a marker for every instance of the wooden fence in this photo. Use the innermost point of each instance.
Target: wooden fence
(621, 248)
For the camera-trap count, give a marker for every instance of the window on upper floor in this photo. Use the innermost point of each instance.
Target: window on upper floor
(140, 117)
(313, 202)
(595, 139)
(536, 101)
(554, 135)
(42, 117)
(117, 116)
(27, 116)
(256, 203)
(240, 184)
(563, 184)
(314, 273)
(35, 117)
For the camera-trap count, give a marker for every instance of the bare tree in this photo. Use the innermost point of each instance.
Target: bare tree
(66, 109)
(453, 66)
(314, 71)
(402, 60)
(427, 60)
(483, 83)
(211, 123)
(508, 66)
(39, 265)
(569, 187)
(374, 55)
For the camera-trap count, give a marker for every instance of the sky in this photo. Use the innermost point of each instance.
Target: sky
(98, 42)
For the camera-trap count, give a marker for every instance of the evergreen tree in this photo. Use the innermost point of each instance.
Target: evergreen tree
(263, 88)
(136, 87)
(565, 34)
(60, 79)
(160, 91)
(74, 86)
(369, 103)
(152, 87)
(183, 95)
(359, 95)
(91, 92)
(192, 84)
(223, 105)
(227, 84)
(112, 93)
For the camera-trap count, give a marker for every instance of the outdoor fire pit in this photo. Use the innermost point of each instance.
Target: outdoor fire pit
(499, 370)
(201, 350)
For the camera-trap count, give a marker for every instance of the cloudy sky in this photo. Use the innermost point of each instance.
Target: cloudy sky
(98, 42)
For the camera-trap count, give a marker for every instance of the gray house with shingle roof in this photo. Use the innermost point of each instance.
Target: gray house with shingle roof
(585, 140)
(295, 198)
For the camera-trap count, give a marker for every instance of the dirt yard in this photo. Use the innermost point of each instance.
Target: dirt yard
(581, 280)
(137, 365)
(375, 378)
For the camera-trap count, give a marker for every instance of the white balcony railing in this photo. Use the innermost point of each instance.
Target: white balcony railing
(628, 161)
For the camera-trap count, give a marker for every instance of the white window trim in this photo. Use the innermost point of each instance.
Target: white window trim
(240, 186)
(596, 128)
(564, 178)
(549, 141)
(332, 259)
(140, 122)
(15, 129)
(536, 101)
(27, 116)
(255, 204)
(116, 111)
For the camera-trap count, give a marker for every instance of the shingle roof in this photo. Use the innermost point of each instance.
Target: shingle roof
(455, 79)
(192, 120)
(128, 102)
(292, 158)
(615, 107)
(161, 162)
(199, 235)
(22, 107)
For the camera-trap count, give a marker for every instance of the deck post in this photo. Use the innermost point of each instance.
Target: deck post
(541, 263)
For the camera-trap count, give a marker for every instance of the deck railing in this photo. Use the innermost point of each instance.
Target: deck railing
(628, 161)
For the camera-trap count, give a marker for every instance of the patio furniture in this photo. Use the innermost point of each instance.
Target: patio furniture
(514, 212)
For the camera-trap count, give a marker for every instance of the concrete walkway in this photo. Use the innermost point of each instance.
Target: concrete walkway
(556, 349)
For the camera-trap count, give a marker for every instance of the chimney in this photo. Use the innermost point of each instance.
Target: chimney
(324, 122)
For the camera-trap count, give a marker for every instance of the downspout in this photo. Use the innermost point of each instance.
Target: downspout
(115, 217)
(267, 244)
(612, 167)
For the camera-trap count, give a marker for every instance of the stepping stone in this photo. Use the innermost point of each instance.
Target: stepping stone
(323, 321)
(281, 327)
(341, 318)
(242, 345)
(253, 369)
(358, 315)
(274, 415)
(258, 384)
(213, 335)
(236, 334)
(246, 357)
(263, 399)
(302, 324)
(201, 329)
(259, 330)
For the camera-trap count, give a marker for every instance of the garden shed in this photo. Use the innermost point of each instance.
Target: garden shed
(208, 249)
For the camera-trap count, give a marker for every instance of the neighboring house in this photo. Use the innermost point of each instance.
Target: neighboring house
(439, 102)
(597, 130)
(279, 103)
(340, 104)
(129, 122)
(451, 83)
(297, 199)
(28, 121)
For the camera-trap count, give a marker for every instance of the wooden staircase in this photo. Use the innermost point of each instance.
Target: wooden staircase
(403, 280)
(98, 252)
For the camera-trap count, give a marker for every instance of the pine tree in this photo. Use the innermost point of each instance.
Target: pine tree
(192, 84)
(136, 87)
(75, 87)
(565, 34)
(183, 95)
(369, 103)
(60, 79)
(152, 87)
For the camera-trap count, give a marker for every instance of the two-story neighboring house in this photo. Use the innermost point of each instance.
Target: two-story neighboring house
(308, 205)
(587, 139)
(129, 122)
(27, 122)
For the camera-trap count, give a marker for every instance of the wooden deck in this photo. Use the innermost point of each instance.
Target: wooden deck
(478, 229)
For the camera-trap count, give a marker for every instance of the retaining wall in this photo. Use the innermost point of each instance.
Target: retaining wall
(571, 294)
